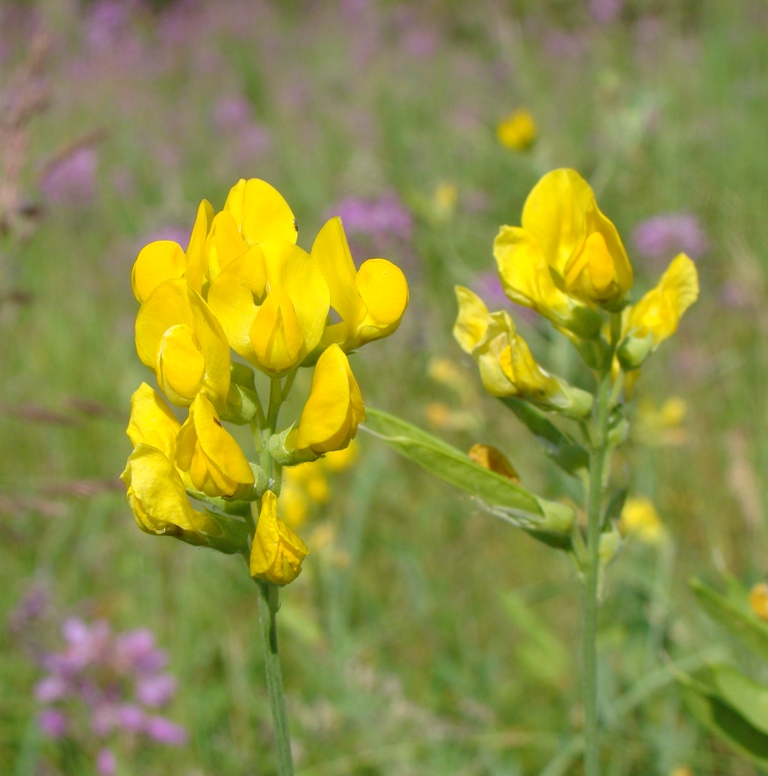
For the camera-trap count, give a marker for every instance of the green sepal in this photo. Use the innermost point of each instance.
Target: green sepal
(548, 521)
(567, 400)
(282, 450)
(243, 405)
(618, 427)
(734, 613)
(562, 449)
(731, 706)
(634, 350)
(231, 539)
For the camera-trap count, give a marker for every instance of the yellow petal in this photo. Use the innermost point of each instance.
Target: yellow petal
(660, 310)
(555, 215)
(296, 272)
(331, 252)
(277, 552)
(234, 298)
(224, 243)
(334, 409)
(160, 260)
(196, 274)
(276, 334)
(214, 460)
(157, 496)
(261, 212)
(384, 291)
(198, 336)
(472, 321)
(180, 364)
(152, 421)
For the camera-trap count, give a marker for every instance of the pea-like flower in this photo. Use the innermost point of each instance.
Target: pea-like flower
(507, 366)
(181, 341)
(656, 316)
(277, 552)
(272, 302)
(567, 258)
(152, 421)
(370, 301)
(517, 131)
(213, 459)
(334, 409)
(260, 212)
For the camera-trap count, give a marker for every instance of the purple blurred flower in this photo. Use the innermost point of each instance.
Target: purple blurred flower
(32, 607)
(231, 113)
(52, 723)
(156, 690)
(385, 217)
(106, 763)
(131, 717)
(662, 237)
(233, 117)
(488, 288)
(50, 689)
(165, 732)
(605, 11)
(107, 22)
(72, 180)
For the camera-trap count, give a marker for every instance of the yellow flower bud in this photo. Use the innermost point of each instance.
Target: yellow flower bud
(656, 316)
(517, 131)
(334, 409)
(507, 367)
(178, 337)
(277, 552)
(490, 457)
(214, 461)
(260, 212)
(370, 301)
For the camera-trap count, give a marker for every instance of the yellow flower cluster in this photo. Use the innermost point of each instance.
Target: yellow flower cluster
(244, 285)
(567, 262)
(517, 131)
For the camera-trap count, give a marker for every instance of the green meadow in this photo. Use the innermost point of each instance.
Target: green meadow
(424, 636)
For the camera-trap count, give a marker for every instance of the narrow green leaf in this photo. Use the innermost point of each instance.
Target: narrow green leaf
(730, 686)
(564, 451)
(735, 616)
(548, 521)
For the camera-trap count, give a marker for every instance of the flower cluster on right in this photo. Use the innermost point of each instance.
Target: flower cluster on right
(568, 263)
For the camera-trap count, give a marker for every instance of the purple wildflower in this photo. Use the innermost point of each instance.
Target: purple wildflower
(605, 11)
(662, 237)
(165, 732)
(72, 180)
(106, 763)
(52, 723)
(385, 217)
(156, 690)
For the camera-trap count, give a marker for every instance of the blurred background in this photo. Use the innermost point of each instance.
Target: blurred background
(424, 636)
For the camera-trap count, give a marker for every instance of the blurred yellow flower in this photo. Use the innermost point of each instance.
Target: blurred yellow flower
(639, 518)
(681, 770)
(656, 316)
(339, 460)
(507, 366)
(370, 301)
(758, 600)
(334, 408)
(277, 552)
(214, 461)
(440, 415)
(567, 257)
(182, 342)
(517, 131)
(662, 426)
(444, 200)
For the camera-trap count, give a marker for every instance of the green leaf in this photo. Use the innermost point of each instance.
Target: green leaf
(734, 614)
(548, 521)
(564, 451)
(710, 695)
(614, 508)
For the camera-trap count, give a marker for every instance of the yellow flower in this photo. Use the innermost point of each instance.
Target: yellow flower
(260, 212)
(338, 460)
(566, 258)
(517, 131)
(293, 505)
(181, 341)
(662, 426)
(640, 518)
(444, 200)
(277, 552)
(507, 367)
(334, 409)
(272, 302)
(165, 260)
(758, 600)
(152, 421)
(656, 316)
(370, 301)
(214, 461)
(158, 498)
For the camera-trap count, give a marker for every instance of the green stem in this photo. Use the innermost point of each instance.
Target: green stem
(597, 460)
(269, 603)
